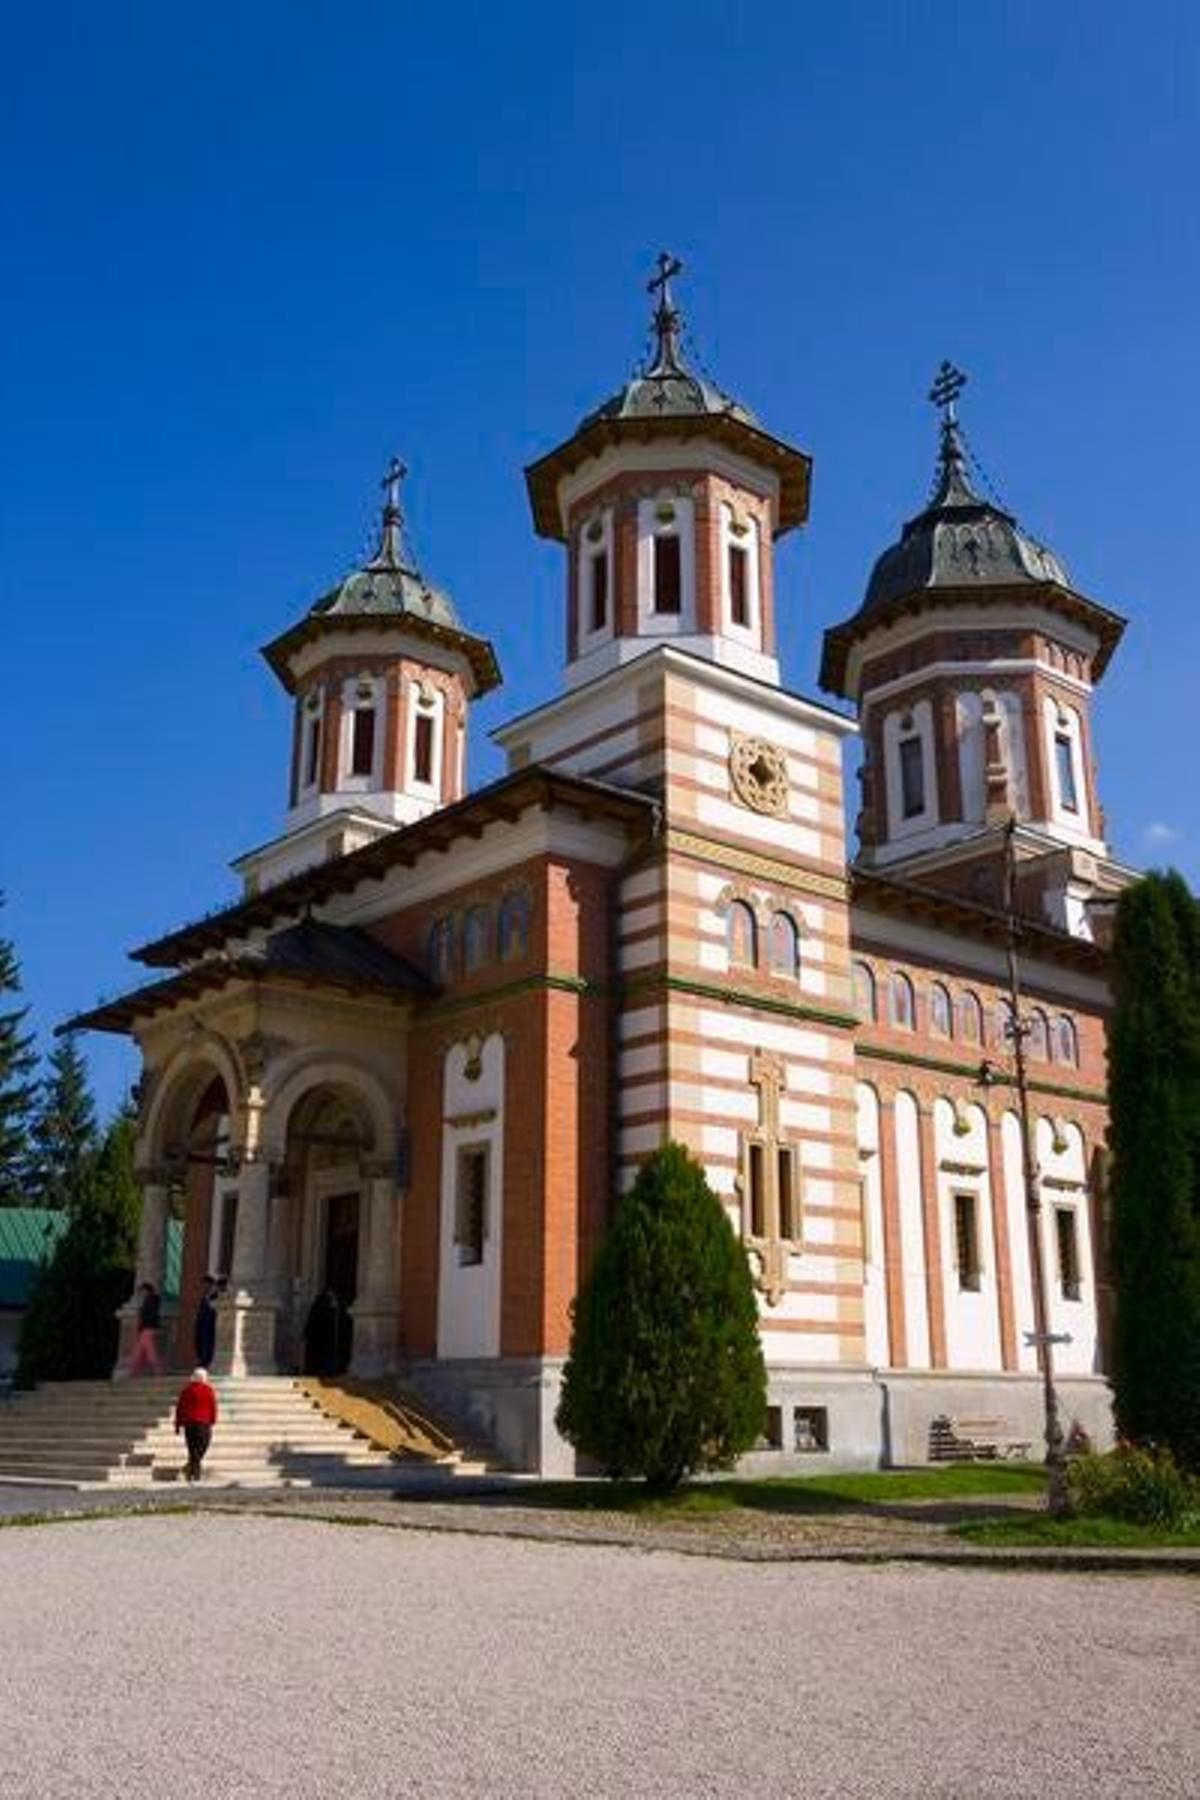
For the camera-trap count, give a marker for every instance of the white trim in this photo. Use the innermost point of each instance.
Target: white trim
(747, 541)
(650, 527)
(428, 702)
(353, 702)
(588, 552)
(698, 453)
(991, 670)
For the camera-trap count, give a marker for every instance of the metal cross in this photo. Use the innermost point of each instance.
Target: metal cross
(668, 267)
(396, 471)
(948, 384)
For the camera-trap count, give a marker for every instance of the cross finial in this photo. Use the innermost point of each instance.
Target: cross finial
(948, 384)
(393, 476)
(666, 318)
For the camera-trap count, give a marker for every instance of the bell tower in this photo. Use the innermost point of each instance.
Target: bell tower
(381, 674)
(972, 660)
(669, 498)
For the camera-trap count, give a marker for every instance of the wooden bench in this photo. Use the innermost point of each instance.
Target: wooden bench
(978, 1439)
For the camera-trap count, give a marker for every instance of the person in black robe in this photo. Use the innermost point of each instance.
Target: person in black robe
(204, 1332)
(323, 1334)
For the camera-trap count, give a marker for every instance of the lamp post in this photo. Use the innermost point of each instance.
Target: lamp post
(1057, 1498)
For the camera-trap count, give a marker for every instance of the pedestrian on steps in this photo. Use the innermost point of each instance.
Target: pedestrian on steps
(149, 1318)
(205, 1329)
(195, 1416)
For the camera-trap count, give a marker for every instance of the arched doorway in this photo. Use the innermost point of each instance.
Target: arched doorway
(324, 1187)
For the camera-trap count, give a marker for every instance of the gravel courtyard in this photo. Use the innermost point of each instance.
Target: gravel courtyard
(234, 1655)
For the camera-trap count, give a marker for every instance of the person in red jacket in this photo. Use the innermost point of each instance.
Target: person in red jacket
(195, 1416)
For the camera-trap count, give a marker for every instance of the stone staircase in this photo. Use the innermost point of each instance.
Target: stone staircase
(270, 1434)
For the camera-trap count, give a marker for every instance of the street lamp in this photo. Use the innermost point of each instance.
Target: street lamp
(1057, 1497)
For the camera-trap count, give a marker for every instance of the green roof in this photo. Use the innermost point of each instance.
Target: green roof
(28, 1235)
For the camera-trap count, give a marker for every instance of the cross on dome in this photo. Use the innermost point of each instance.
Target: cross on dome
(667, 319)
(391, 553)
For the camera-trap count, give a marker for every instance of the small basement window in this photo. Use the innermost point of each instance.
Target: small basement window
(810, 1429)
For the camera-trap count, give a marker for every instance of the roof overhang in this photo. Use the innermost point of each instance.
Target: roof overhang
(791, 467)
(1107, 627)
(142, 1004)
(478, 652)
(504, 800)
(931, 905)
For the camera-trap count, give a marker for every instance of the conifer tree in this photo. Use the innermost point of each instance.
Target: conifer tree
(666, 1374)
(64, 1129)
(1154, 1096)
(17, 1063)
(69, 1331)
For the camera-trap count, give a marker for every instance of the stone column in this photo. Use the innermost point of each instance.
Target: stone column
(246, 1315)
(151, 1260)
(377, 1309)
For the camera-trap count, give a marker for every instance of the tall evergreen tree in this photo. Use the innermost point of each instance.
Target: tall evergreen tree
(1154, 1097)
(666, 1372)
(69, 1331)
(64, 1129)
(17, 1089)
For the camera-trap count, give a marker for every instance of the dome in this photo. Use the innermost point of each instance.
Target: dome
(387, 587)
(959, 541)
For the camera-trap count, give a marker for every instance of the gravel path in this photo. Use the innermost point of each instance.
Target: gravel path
(224, 1656)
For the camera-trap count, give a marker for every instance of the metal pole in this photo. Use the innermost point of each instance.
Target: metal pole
(1057, 1499)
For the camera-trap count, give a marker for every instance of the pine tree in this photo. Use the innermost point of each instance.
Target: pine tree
(17, 1063)
(1154, 1095)
(64, 1129)
(69, 1331)
(666, 1374)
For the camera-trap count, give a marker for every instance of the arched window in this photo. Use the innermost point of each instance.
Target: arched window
(941, 1012)
(441, 949)
(971, 1014)
(783, 945)
(1066, 1041)
(1005, 1035)
(515, 910)
(477, 937)
(741, 936)
(904, 1001)
(1039, 1035)
(864, 991)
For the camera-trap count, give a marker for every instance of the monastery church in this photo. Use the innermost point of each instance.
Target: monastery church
(429, 1044)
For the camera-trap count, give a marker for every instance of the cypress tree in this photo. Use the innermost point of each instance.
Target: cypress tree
(64, 1129)
(1154, 1094)
(17, 1063)
(665, 1374)
(69, 1331)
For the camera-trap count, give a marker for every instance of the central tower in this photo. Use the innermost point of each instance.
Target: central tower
(669, 498)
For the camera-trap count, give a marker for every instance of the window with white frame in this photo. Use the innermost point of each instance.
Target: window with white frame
(1064, 764)
(471, 1204)
(596, 578)
(666, 573)
(966, 1242)
(740, 572)
(425, 737)
(310, 766)
(912, 776)
(1070, 1279)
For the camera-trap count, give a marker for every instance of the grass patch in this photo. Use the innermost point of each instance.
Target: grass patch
(1038, 1530)
(795, 1494)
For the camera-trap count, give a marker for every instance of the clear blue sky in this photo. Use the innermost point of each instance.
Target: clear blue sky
(250, 251)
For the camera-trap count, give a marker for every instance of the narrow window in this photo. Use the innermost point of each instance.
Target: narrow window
(966, 1242)
(514, 925)
(739, 592)
(912, 777)
(470, 1208)
(1064, 757)
(972, 1019)
(1068, 1253)
(599, 587)
(441, 949)
(1039, 1036)
(772, 1437)
(312, 761)
(789, 1195)
(228, 1231)
(668, 574)
(1068, 1041)
(1006, 1032)
(783, 945)
(864, 991)
(477, 938)
(756, 1180)
(904, 1006)
(362, 746)
(741, 936)
(423, 748)
(941, 1013)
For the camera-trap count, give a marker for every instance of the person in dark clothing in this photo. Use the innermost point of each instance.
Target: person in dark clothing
(323, 1334)
(205, 1330)
(195, 1416)
(149, 1317)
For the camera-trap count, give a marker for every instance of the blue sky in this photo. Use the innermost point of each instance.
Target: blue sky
(252, 251)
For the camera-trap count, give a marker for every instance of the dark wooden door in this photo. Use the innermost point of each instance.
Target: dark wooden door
(341, 1264)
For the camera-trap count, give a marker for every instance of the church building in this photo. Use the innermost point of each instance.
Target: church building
(421, 1054)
